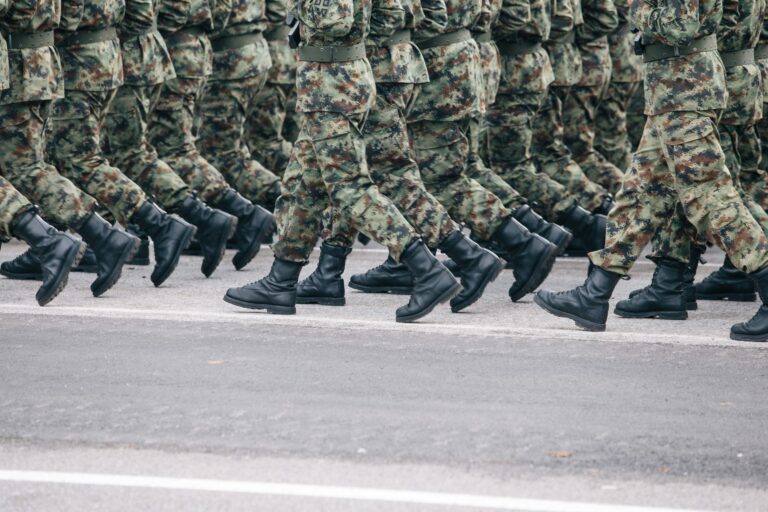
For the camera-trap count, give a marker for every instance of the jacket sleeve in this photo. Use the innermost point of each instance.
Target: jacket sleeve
(333, 18)
(173, 14)
(276, 11)
(387, 17)
(72, 13)
(514, 15)
(600, 19)
(435, 16)
(563, 17)
(672, 22)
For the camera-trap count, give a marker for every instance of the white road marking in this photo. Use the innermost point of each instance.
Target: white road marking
(319, 491)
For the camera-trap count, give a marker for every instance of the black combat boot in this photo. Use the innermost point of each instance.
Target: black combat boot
(605, 207)
(170, 235)
(276, 292)
(433, 284)
(530, 255)
(389, 277)
(534, 222)
(112, 249)
(57, 253)
(141, 258)
(586, 305)
(255, 225)
(588, 228)
(689, 291)
(757, 328)
(478, 267)
(25, 267)
(727, 283)
(325, 285)
(214, 228)
(664, 298)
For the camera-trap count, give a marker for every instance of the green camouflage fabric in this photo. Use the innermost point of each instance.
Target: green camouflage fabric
(12, 204)
(328, 169)
(267, 129)
(24, 112)
(679, 157)
(580, 106)
(229, 97)
(5, 79)
(172, 121)
(391, 162)
(561, 46)
(146, 61)
(756, 183)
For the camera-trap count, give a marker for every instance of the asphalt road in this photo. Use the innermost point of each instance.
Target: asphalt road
(342, 409)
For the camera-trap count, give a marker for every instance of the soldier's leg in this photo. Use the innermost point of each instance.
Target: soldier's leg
(753, 178)
(224, 108)
(264, 128)
(732, 142)
(12, 205)
(612, 137)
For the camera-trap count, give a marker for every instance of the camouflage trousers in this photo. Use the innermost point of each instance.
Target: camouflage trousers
(394, 170)
(328, 171)
(12, 204)
(22, 161)
(756, 183)
(266, 126)
(553, 157)
(612, 136)
(636, 116)
(224, 108)
(126, 145)
(74, 146)
(680, 160)
(580, 121)
(171, 134)
(510, 127)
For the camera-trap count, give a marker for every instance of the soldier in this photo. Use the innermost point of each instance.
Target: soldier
(271, 127)
(241, 62)
(397, 67)
(679, 159)
(184, 25)
(756, 183)
(24, 112)
(580, 107)
(328, 168)
(146, 65)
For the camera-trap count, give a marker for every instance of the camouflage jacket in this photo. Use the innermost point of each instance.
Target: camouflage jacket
(191, 54)
(401, 62)
(626, 66)
(34, 73)
(145, 57)
(241, 18)
(284, 58)
(94, 66)
(563, 52)
(740, 29)
(668, 87)
(600, 19)
(344, 87)
(763, 63)
(5, 80)
(490, 58)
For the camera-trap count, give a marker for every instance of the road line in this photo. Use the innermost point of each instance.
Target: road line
(319, 491)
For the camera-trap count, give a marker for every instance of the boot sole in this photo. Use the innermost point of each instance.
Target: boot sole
(755, 338)
(732, 297)
(117, 270)
(584, 324)
(21, 277)
(275, 310)
(489, 278)
(224, 236)
(382, 289)
(175, 262)
(538, 276)
(659, 315)
(264, 233)
(322, 301)
(445, 297)
(73, 259)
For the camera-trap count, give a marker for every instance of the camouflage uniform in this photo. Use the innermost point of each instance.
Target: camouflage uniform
(548, 148)
(270, 128)
(241, 62)
(146, 65)
(24, 111)
(756, 183)
(679, 157)
(580, 107)
(328, 164)
(93, 70)
(397, 68)
(611, 137)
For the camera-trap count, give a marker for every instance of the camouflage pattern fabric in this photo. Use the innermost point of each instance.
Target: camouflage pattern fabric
(12, 204)
(756, 182)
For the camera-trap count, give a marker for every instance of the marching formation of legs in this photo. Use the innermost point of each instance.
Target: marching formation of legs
(502, 133)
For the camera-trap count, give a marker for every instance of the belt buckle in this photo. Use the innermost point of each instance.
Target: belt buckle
(332, 53)
(677, 51)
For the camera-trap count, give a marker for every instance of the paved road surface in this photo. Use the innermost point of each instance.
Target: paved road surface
(342, 409)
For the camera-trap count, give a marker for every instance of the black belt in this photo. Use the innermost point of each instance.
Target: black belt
(458, 36)
(518, 48)
(658, 51)
(277, 33)
(196, 31)
(221, 44)
(483, 37)
(569, 38)
(738, 58)
(403, 36)
(80, 37)
(761, 52)
(20, 41)
(332, 53)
